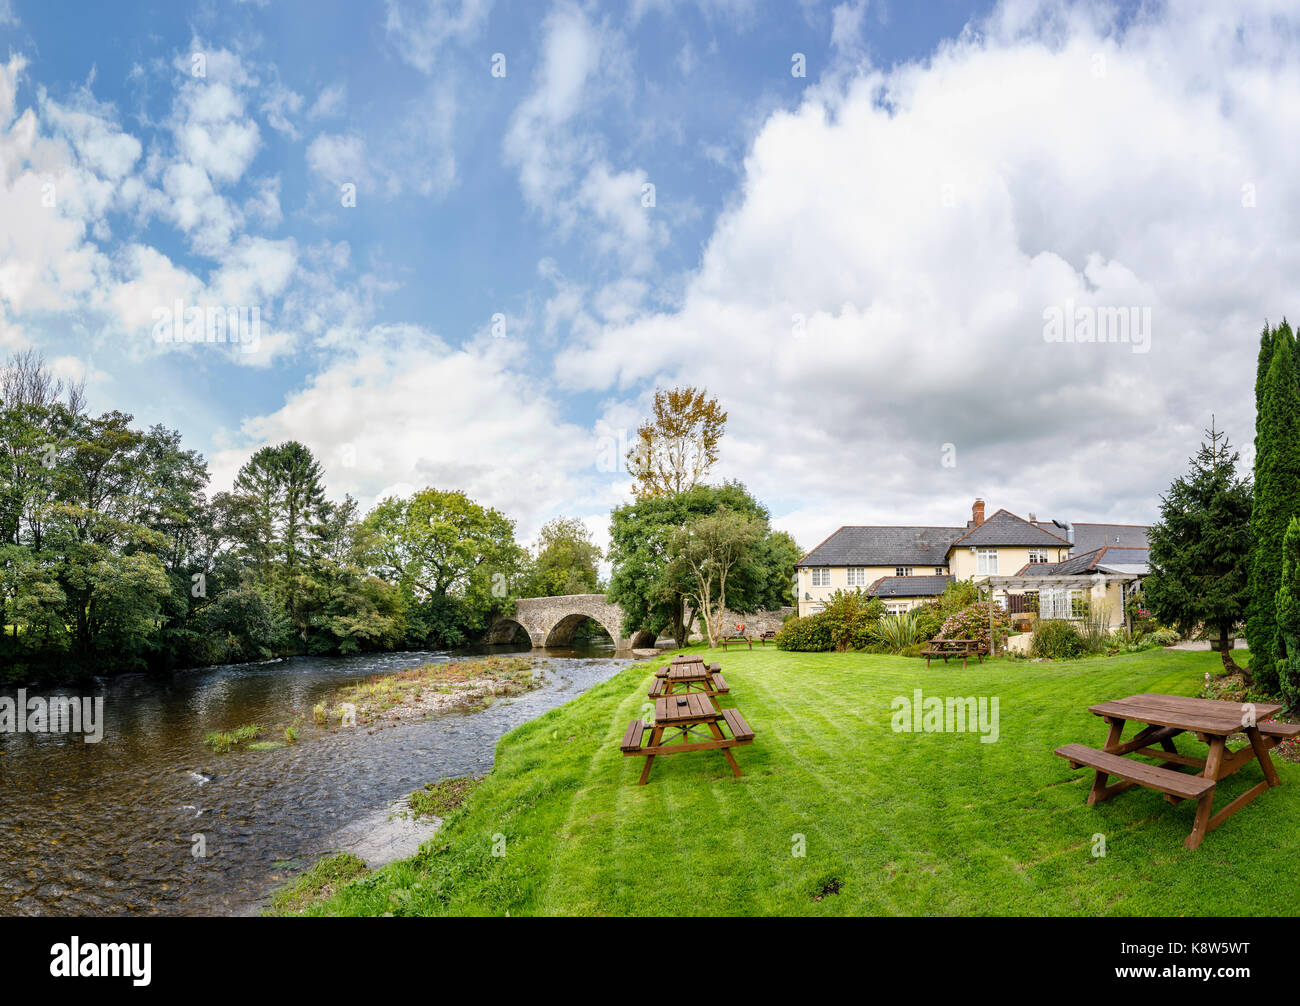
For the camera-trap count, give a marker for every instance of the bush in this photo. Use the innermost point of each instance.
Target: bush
(1164, 637)
(1057, 639)
(810, 635)
(848, 622)
(898, 632)
(972, 622)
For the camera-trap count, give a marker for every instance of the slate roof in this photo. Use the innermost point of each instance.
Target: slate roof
(1108, 558)
(884, 546)
(909, 586)
(1090, 537)
(1005, 528)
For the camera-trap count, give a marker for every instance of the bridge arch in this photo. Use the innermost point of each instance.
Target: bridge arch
(550, 621)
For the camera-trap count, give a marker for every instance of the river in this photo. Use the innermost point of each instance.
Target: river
(110, 828)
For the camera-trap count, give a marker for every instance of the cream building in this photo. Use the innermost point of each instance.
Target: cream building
(908, 565)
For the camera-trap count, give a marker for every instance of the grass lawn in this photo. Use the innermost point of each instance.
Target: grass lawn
(893, 823)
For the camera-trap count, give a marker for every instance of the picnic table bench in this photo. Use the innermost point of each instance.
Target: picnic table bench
(949, 648)
(690, 676)
(1167, 716)
(687, 717)
(765, 637)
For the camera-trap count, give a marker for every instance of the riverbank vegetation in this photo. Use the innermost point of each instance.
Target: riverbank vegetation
(838, 814)
(418, 691)
(114, 557)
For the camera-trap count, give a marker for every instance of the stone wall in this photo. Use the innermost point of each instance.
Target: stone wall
(550, 621)
(755, 623)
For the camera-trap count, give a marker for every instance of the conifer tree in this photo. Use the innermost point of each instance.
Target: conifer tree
(1277, 499)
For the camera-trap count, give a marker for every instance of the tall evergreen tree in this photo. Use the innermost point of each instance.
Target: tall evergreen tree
(1288, 614)
(1200, 547)
(1277, 500)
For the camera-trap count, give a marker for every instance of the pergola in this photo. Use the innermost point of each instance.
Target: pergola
(1079, 581)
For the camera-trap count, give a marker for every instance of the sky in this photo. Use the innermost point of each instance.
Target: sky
(479, 234)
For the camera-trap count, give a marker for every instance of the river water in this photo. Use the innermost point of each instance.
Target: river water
(109, 828)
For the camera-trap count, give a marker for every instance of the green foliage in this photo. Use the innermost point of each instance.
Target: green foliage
(224, 741)
(1057, 639)
(1200, 547)
(810, 634)
(321, 881)
(1288, 615)
(564, 561)
(972, 622)
(438, 799)
(898, 633)
(1277, 497)
(1164, 637)
(653, 590)
(850, 621)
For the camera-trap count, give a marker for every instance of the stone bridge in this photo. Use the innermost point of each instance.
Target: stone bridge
(551, 621)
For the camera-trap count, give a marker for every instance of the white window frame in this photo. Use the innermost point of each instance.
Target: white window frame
(940, 570)
(1038, 555)
(896, 607)
(821, 576)
(857, 576)
(902, 570)
(986, 562)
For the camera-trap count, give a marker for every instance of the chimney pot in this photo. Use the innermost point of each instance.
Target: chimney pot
(977, 512)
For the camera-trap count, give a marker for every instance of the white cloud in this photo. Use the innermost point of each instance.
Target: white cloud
(399, 409)
(329, 103)
(919, 222)
(420, 28)
(563, 172)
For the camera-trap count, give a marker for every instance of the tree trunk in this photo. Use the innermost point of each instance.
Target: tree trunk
(1229, 664)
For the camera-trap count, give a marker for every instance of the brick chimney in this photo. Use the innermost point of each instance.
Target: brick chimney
(977, 513)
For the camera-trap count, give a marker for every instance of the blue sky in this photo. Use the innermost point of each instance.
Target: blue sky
(857, 261)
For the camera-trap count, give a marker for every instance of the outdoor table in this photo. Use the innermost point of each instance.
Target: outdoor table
(1167, 716)
(695, 721)
(692, 676)
(947, 648)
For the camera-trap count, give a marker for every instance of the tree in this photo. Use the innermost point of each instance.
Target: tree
(1201, 546)
(450, 555)
(1277, 500)
(655, 594)
(676, 450)
(1288, 614)
(707, 550)
(565, 560)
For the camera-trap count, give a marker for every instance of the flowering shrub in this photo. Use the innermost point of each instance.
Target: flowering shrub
(972, 622)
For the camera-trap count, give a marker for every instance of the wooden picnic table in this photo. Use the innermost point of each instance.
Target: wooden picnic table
(1167, 716)
(765, 637)
(948, 648)
(687, 717)
(736, 638)
(690, 676)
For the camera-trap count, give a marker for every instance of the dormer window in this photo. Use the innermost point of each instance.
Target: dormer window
(902, 570)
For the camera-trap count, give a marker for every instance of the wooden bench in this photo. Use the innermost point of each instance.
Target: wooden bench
(660, 687)
(632, 739)
(1280, 731)
(719, 684)
(740, 730)
(1179, 784)
(736, 639)
(949, 648)
(692, 719)
(764, 637)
